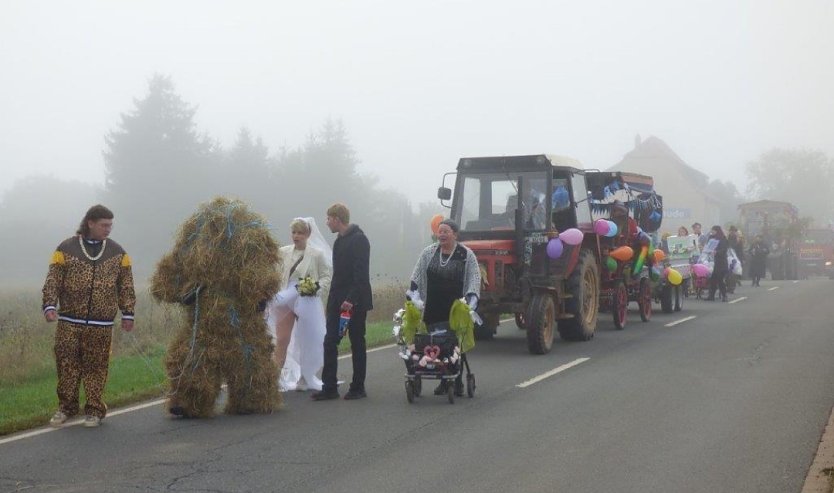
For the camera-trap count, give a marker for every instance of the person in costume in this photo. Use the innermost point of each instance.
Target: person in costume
(224, 267)
(89, 280)
(350, 294)
(445, 271)
(296, 313)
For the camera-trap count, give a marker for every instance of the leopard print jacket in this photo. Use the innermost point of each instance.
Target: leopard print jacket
(86, 291)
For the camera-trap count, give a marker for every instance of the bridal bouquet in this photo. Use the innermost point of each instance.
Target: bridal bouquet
(307, 286)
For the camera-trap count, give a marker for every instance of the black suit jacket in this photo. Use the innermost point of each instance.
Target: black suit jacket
(351, 271)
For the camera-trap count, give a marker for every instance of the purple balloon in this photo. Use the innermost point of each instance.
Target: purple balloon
(554, 248)
(601, 227)
(571, 236)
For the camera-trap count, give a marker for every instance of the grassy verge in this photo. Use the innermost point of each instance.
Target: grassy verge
(30, 401)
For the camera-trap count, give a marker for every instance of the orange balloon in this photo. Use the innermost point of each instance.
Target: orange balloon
(622, 254)
(659, 255)
(435, 222)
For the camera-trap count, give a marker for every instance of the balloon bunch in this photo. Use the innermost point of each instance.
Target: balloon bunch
(604, 227)
(435, 223)
(570, 237)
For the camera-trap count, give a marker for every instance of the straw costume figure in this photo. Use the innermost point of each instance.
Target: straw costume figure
(222, 270)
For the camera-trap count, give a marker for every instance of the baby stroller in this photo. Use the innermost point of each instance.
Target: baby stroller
(434, 356)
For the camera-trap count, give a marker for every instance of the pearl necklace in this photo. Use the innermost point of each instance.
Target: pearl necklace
(440, 257)
(84, 250)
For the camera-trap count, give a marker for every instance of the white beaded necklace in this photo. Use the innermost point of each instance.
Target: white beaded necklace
(84, 250)
(440, 257)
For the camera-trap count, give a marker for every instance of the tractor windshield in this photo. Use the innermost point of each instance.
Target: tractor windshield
(488, 201)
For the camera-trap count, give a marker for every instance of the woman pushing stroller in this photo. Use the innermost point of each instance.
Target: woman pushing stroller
(445, 271)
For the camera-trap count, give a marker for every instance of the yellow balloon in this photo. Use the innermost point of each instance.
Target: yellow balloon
(675, 277)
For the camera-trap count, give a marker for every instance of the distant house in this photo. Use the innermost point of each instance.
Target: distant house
(683, 187)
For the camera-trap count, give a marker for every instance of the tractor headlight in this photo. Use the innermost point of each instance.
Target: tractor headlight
(828, 263)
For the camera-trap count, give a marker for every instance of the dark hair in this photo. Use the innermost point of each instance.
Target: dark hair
(720, 231)
(696, 224)
(452, 225)
(94, 213)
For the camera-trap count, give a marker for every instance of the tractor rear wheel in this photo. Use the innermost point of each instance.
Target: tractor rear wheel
(583, 286)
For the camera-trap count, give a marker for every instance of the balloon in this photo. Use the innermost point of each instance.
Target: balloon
(554, 248)
(624, 253)
(612, 229)
(435, 222)
(571, 236)
(675, 277)
(700, 270)
(611, 264)
(659, 255)
(601, 227)
(641, 259)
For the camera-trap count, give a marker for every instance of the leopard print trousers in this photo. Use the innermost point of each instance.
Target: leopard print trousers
(82, 354)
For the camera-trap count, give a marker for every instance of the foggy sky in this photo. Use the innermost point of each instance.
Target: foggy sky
(420, 84)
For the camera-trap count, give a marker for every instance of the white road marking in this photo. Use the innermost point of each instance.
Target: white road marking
(795, 282)
(552, 372)
(738, 299)
(78, 421)
(676, 322)
(380, 348)
(774, 288)
(507, 320)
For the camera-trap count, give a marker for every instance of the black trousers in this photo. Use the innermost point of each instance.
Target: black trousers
(717, 280)
(356, 334)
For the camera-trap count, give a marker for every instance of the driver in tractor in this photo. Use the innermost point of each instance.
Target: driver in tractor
(627, 231)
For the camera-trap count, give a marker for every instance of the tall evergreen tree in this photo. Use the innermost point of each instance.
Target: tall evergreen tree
(158, 168)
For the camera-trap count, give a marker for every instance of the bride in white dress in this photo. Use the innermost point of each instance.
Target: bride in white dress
(298, 321)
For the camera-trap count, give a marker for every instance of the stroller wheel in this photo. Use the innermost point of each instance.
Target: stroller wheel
(470, 385)
(409, 391)
(418, 386)
(450, 393)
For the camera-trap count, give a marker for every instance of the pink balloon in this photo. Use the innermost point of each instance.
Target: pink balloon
(601, 227)
(571, 236)
(700, 270)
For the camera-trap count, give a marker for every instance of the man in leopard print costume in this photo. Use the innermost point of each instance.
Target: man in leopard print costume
(89, 279)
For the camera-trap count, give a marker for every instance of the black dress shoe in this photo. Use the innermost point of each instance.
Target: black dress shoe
(355, 394)
(710, 298)
(324, 395)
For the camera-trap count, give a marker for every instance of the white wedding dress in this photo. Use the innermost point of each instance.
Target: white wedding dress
(305, 352)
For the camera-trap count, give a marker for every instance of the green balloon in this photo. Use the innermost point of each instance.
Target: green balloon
(611, 264)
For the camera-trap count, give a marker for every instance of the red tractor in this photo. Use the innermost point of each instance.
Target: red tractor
(509, 209)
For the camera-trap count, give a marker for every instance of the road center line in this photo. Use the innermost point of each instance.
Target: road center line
(552, 372)
(676, 322)
(774, 288)
(738, 299)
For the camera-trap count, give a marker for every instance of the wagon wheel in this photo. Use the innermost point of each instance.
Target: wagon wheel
(666, 296)
(470, 385)
(619, 305)
(418, 386)
(450, 392)
(409, 391)
(645, 300)
(520, 320)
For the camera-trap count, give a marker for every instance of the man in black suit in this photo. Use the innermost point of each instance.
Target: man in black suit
(350, 291)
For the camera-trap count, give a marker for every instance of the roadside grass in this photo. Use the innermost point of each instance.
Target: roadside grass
(29, 401)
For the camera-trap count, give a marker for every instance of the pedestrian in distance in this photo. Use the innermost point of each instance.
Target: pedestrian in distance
(348, 304)
(720, 265)
(758, 259)
(702, 238)
(89, 280)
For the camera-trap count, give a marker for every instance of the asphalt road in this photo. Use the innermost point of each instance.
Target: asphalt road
(734, 400)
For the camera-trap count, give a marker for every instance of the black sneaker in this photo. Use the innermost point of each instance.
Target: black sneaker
(355, 394)
(324, 395)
